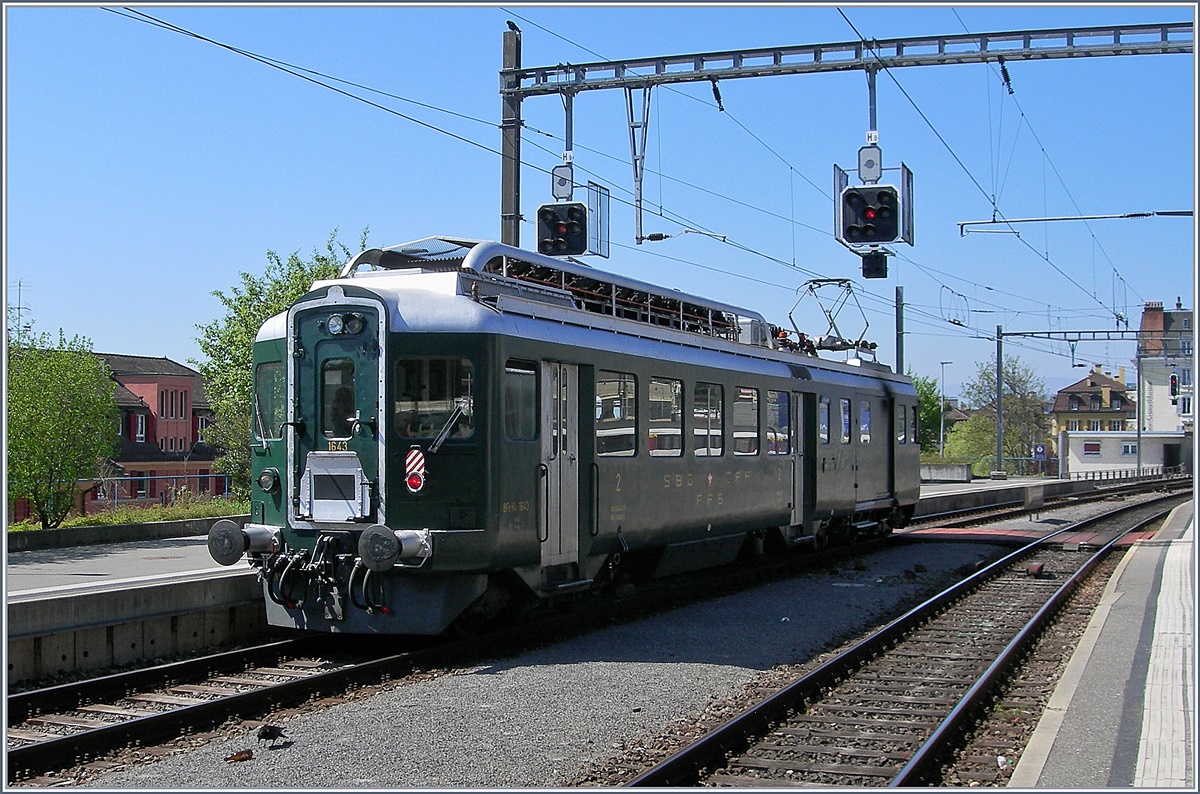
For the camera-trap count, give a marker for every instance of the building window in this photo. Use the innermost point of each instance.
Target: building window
(183, 405)
(1074, 404)
(1185, 376)
(1129, 448)
(1091, 448)
(1093, 425)
(1185, 347)
(1117, 425)
(616, 414)
(162, 405)
(1185, 406)
(141, 428)
(1074, 424)
(1096, 406)
(1117, 402)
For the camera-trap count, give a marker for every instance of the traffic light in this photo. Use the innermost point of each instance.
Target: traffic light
(870, 214)
(562, 229)
(874, 265)
(1174, 388)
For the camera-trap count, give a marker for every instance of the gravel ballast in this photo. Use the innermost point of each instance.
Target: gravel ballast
(537, 719)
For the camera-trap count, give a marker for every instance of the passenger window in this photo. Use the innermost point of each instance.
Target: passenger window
(779, 425)
(270, 410)
(616, 414)
(864, 422)
(520, 400)
(665, 425)
(901, 423)
(823, 420)
(430, 392)
(745, 422)
(710, 424)
(337, 397)
(912, 433)
(845, 421)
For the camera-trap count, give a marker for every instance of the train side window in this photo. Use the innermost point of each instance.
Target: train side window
(428, 392)
(901, 423)
(708, 399)
(864, 422)
(270, 403)
(745, 422)
(616, 414)
(845, 421)
(665, 425)
(779, 423)
(337, 397)
(520, 400)
(912, 427)
(823, 420)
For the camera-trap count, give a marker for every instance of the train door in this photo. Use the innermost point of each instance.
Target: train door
(799, 471)
(559, 514)
(335, 383)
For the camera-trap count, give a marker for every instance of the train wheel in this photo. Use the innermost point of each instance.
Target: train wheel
(820, 537)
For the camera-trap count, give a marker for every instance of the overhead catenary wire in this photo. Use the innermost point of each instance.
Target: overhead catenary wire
(322, 80)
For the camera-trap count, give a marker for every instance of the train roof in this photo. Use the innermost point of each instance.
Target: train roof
(517, 283)
(591, 289)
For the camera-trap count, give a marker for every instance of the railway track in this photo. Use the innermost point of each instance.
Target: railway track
(890, 710)
(62, 726)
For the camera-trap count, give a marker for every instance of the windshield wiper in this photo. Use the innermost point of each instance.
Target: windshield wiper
(444, 433)
(258, 421)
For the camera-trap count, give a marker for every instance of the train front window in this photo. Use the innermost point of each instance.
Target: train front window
(337, 397)
(426, 392)
(270, 405)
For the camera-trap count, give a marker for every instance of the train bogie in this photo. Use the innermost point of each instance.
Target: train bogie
(450, 427)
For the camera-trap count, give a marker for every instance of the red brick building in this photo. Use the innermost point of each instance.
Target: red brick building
(163, 411)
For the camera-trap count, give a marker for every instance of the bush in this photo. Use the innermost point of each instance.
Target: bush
(185, 507)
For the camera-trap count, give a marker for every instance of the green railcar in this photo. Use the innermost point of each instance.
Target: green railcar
(452, 427)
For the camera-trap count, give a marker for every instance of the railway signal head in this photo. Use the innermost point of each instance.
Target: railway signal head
(1174, 388)
(870, 215)
(562, 228)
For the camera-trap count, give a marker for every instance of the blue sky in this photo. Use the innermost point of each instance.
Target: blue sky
(145, 169)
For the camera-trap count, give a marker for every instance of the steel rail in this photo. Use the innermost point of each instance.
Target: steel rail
(681, 768)
(918, 770)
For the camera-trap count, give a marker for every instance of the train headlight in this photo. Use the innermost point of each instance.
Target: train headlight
(334, 323)
(268, 480)
(354, 323)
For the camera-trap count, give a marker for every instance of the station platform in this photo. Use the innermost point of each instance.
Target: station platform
(1124, 712)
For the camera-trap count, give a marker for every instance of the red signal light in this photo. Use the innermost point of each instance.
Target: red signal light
(415, 482)
(869, 213)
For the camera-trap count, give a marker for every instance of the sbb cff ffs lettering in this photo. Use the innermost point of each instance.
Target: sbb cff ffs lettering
(870, 215)
(562, 229)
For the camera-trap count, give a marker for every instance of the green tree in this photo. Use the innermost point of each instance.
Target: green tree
(929, 426)
(228, 344)
(1023, 419)
(62, 419)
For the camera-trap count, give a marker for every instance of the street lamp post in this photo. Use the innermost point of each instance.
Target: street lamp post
(942, 414)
